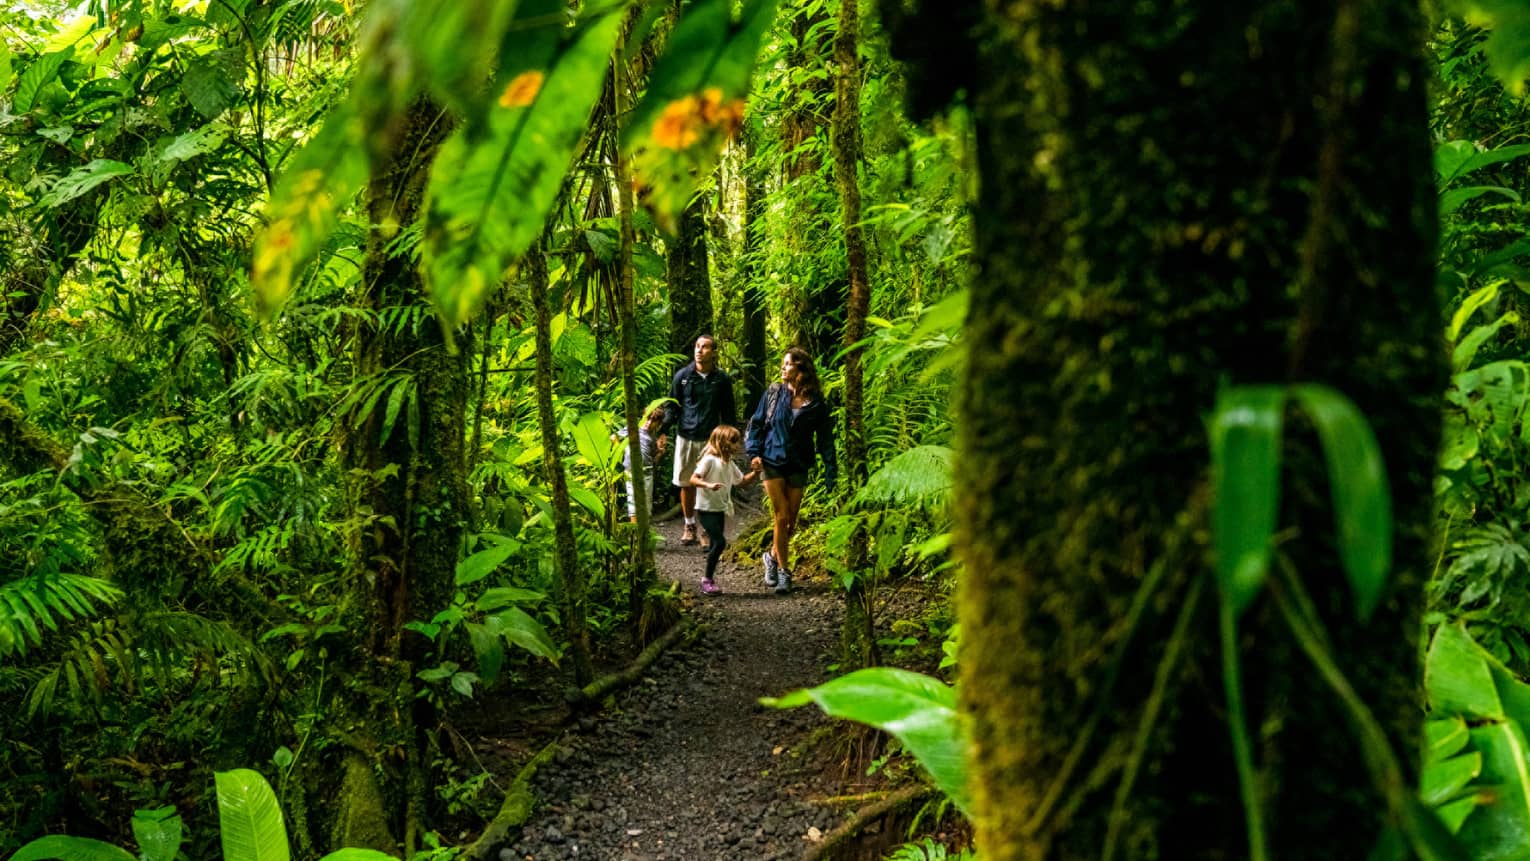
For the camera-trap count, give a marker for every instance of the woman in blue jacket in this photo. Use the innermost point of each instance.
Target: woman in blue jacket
(790, 430)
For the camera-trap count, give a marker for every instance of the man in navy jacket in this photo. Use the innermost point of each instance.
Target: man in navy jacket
(701, 396)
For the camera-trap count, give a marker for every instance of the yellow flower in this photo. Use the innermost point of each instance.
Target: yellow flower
(522, 89)
(678, 126)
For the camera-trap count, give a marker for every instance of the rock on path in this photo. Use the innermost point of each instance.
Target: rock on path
(687, 765)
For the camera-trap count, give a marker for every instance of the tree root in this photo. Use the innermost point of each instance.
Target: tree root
(896, 802)
(516, 808)
(591, 694)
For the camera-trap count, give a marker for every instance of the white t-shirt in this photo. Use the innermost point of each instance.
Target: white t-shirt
(713, 468)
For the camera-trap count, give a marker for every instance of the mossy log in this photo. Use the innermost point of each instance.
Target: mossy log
(845, 835)
(515, 810)
(597, 690)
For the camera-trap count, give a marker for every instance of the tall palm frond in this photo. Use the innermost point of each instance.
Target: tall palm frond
(37, 602)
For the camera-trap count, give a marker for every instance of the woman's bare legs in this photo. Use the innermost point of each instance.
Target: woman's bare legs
(783, 517)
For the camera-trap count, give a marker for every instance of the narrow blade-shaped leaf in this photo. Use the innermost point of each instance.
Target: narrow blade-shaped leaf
(1245, 461)
(1362, 502)
(918, 710)
(490, 193)
(251, 821)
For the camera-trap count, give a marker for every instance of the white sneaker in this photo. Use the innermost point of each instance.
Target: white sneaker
(783, 581)
(770, 569)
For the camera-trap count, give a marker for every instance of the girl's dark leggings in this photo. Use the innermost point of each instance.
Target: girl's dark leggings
(712, 522)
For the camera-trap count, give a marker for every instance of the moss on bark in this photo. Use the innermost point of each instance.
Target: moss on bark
(1174, 197)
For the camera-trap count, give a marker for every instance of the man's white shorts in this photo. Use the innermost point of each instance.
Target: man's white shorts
(687, 455)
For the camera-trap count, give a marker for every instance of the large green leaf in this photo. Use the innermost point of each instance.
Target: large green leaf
(592, 436)
(493, 184)
(83, 179)
(64, 848)
(1455, 159)
(1466, 349)
(489, 649)
(1362, 502)
(358, 855)
(918, 710)
(251, 821)
(38, 73)
(1478, 298)
(694, 102)
(1499, 829)
(522, 630)
(158, 832)
(483, 563)
(1459, 678)
(1245, 462)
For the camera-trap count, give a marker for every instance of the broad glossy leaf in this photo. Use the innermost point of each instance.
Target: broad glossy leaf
(358, 855)
(1362, 501)
(489, 648)
(209, 84)
(694, 103)
(1430, 838)
(65, 848)
(490, 192)
(251, 821)
(918, 710)
(83, 179)
(1466, 350)
(483, 563)
(588, 500)
(158, 833)
(1455, 159)
(319, 182)
(522, 630)
(1442, 781)
(592, 436)
(39, 72)
(1499, 829)
(1245, 460)
(1458, 677)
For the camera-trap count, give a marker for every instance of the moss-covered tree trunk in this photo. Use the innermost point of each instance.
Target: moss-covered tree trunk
(409, 503)
(1176, 197)
(858, 642)
(755, 359)
(571, 577)
(690, 284)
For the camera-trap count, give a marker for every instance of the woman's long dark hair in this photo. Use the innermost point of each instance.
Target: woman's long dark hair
(807, 374)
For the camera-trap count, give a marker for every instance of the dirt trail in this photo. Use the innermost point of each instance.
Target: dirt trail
(687, 765)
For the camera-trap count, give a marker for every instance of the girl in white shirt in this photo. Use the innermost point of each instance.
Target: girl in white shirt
(715, 477)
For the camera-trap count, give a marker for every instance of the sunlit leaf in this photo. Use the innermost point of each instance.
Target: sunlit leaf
(249, 818)
(83, 179)
(37, 73)
(694, 102)
(490, 192)
(158, 833)
(64, 848)
(519, 628)
(918, 710)
(483, 563)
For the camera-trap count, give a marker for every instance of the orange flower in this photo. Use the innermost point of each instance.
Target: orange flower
(522, 89)
(678, 126)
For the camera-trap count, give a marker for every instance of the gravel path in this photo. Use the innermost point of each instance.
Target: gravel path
(687, 765)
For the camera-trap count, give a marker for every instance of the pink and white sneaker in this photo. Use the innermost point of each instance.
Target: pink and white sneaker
(710, 587)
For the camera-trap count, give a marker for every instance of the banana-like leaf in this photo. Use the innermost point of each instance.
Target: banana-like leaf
(358, 855)
(494, 183)
(592, 436)
(694, 103)
(251, 820)
(1499, 829)
(1459, 678)
(1245, 461)
(918, 710)
(1362, 502)
(63, 848)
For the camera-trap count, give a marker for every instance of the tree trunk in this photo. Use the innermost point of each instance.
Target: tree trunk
(1177, 197)
(565, 551)
(641, 575)
(815, 317)
(755, 359)
(858, 642)
(409, 493)
(690, 285)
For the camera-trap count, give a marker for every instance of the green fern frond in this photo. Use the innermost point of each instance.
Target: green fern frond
(920, 477)
(30, 604)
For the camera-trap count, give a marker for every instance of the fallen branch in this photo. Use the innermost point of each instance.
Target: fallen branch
(514, 811)
(597, 690)
(893, 803)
